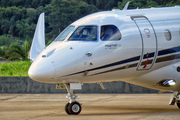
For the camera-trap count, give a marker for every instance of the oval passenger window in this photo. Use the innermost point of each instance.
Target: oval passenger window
(167, 34)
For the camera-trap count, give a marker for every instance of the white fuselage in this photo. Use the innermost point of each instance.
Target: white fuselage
(143, 56)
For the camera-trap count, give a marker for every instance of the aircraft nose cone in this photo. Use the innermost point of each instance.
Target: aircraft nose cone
(42, 72)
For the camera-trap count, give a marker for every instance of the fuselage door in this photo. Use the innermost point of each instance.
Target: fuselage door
(149, 43)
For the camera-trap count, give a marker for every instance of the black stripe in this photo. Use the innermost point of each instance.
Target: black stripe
(169, 51)
(166, 58)
(109, 65)
(148, 55)
(120, 68)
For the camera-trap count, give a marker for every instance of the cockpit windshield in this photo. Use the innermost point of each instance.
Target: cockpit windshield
(84, 33)
(64, 33)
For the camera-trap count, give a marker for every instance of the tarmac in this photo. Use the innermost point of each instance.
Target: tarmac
(94, 107)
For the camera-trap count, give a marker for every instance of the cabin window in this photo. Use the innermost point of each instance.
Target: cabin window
(64, 33)
(84, 33)
(167, 34)
(110, 32)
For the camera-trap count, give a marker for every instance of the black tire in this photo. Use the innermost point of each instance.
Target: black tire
(74, 108)
(178, 104)
(66, 109)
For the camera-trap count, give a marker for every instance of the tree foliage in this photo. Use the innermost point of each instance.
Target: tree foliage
(16, 52)
(18, 20)
(61, 15)
(24, 3)
(103, 4)
(2, 52)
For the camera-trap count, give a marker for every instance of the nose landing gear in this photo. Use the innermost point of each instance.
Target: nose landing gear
(73, 107)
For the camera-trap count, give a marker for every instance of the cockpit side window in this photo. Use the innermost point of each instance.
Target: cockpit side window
(84, 33)
(110, 32)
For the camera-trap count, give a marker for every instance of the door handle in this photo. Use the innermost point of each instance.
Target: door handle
(88, 53)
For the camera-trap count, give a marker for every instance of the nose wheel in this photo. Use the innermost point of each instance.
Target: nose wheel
(67, 109)
(73, 107)
(178, 104)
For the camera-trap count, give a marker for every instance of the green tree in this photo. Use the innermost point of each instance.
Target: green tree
(178, 2)
(9, 16)
(25, 30)
(103, 4)
(15, 52)
(2, 52)
(5, 40)
(24, 3)
(25, 49)
(61, 15)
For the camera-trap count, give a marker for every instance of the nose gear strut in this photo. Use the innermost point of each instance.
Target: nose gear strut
(73, 107)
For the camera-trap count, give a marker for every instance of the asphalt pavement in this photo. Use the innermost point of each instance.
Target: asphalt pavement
(95, 107)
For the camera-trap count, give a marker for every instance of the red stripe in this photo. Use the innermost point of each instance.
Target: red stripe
(146, 64)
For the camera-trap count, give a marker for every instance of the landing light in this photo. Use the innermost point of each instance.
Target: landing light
(170, 82)
(167, 83)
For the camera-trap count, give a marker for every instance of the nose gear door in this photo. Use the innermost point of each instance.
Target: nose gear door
(149, 43)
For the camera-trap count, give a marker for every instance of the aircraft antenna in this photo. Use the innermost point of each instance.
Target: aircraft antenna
(126, 6)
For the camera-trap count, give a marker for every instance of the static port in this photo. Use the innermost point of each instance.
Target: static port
(178, 69)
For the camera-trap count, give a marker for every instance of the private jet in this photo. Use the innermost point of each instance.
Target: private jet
(137, 46)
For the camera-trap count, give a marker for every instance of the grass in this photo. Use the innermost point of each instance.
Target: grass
(19, 68)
